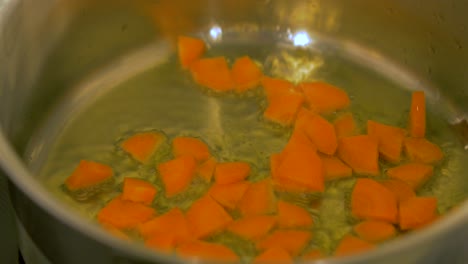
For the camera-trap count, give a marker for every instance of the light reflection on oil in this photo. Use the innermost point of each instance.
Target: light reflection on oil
(216, 33)
(301, 38)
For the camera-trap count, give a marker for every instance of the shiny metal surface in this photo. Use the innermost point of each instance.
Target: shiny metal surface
(429, 38)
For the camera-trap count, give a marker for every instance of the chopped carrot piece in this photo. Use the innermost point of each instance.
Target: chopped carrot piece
(283, 101)
(275, 161)
(302, 165)
(292, 216)
(345, 126)
(88, 174)
(259, 199)
(177, 174)
(190, 50)
(138, 190)
(165, 242)
(400, 189)
(374, 231)
(124, 214)
(213, 73)
(246, 74)
(142, 146)
(293, 241)
(173, 221)
(370, 200)
(320, 132)
(230, 172)
(417, 212)
(206, 169)
(182, 146)
(274, 255)
(229, 195)
(351, 245)
(389, 138)
(297, 140)
(207, 217)
(360, 153)
(323, 97)
(414, 174)
(335, 169)
(422, 150)
(207, 251)
(313, 255)
(252, 227)
(417, 116)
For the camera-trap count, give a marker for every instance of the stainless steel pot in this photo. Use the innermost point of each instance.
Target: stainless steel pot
(429, 38)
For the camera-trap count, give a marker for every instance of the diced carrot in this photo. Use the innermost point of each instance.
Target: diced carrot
(177, 174)
(320, 132)
(323, 97)
(124, 214)
(417, 212)
(246, 74)
(88, 174)
(297, 141)
(283, 101)
(370, 200)
(335, 169)
(190, 49)
(293, 241)
(374, 231)
(314, 254)
(351, 245)
(292, 216)
(142, 146)
(138, 190)
(345, 126)
(360, 153)
(275, 161)
(230, 172)
(173, 222)
(400, 189)
(273, 255)
(213, 73)
(389, 138)
(302, 165)
(206, 169)
(259, 199)
(165, 242)
(229, 195)
(417, 116)
(252, 227)
(182, 146)
(207, 217)
(207, 251)
(422, 150)
(414, 174)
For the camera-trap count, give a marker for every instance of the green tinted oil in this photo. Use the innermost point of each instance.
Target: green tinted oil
(145, 89)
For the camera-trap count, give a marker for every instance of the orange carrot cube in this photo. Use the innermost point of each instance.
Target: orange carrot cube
(229, 195)
(252, 227)
(177, 174)
(414, 174)
(259, 199)
(246, 74)
(372, 201)
(189, 49)
(389, 138)
(335, 169)
(88, 174)
(230, 172)
(374, 231)
(323, 97)
(141, 146)
(189, 146)
(351, 245)
(138, 190)
(206, 217)
(213, 73)
(417, 212)
(417, 116)
(124, 214)
(422, 150)
(360, 153)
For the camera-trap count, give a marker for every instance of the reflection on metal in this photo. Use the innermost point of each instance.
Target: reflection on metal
(216, 33)
(301, 39)
(295, 66)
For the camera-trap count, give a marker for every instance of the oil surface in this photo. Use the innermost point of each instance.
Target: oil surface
(146, 89)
